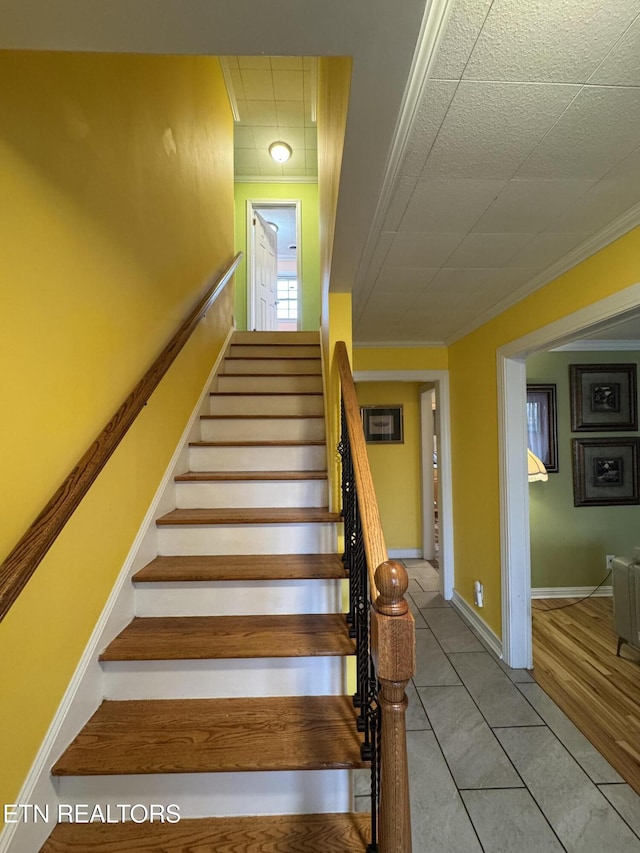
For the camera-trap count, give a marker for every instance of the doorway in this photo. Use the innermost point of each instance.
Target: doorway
(274, 287)
(438, 380)
(517, 646)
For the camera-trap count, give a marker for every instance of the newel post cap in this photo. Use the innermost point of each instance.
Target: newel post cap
(392, 582)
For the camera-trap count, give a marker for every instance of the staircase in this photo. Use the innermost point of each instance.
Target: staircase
(227, 693)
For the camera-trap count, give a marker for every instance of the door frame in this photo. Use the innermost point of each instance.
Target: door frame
(440, 379)
(251, 289)
(427, 433)
(517, 643)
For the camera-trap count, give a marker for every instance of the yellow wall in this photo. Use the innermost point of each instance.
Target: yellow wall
(396, 468)
(400, 358)
(309, 248)
(117, 206)
(474, 409)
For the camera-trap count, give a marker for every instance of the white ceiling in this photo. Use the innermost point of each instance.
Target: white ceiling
(480, 159)
(274, 100)
(525, 144)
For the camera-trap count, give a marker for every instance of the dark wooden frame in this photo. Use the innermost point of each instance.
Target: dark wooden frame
(585, 416)
(624, 454)
(372, 437)
(550, 458)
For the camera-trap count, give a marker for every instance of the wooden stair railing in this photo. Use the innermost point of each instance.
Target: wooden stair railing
(383, 626)
(23, 560)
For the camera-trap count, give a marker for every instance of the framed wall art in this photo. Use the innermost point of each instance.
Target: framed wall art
(603, 397)
(605, 471)
(542, 424)
(382, 424)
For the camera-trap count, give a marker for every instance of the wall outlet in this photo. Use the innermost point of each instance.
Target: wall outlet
(478, 593)
(609, 561)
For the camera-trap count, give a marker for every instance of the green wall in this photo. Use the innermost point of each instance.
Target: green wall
(569, 544)
(310, 248)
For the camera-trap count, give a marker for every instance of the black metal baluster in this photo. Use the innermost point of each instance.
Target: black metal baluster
(358, 618)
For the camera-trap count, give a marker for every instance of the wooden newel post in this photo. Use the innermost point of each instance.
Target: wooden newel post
(393, 649)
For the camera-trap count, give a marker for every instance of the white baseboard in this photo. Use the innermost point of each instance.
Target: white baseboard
(572, 592)
(401, 553)
(85, 691)
(484, 632)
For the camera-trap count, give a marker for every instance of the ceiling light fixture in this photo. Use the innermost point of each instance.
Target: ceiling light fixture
(280, 151)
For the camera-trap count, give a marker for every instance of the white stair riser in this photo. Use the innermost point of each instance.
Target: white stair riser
(262, 429)
(223, 679)
(279, 404)
(221, 539)
(251, 493)
(239, 598)
(275, 351)
(289, 338)
(218, 794)
(258, 458)
(269, 384)
(281, 366)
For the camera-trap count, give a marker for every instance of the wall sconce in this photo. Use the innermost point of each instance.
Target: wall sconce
(280, 151)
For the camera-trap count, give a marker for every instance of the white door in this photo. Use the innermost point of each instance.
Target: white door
(265, 275)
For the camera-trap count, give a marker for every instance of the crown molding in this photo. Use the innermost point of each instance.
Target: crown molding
(431, 31)
(228, 81)
(275, 179)
(397, 344)
(616, 229)
(587, 345)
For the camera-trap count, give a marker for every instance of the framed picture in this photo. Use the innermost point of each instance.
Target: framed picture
(605, 471)
(542, 424)
(603, 397)
(382, 424)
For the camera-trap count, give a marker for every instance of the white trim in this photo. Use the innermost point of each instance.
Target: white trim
(514, 488)
(272, 202)
(572, 592)
(85, 690)
(427, 404)
(443, 409)
(599, 345)
(514, 533)
(231, 92)
(562, 331)
(616, 229)
(405, 553)
(397, 344)
(275, 179)
(432, 28)
(491, 640)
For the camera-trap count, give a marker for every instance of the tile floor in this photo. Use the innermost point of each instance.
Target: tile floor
(494, 764)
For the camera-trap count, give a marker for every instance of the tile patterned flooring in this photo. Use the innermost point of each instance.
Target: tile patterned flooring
(494, 764)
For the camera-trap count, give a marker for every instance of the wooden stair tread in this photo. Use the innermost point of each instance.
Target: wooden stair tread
(279, 443)
(331, 833)
(265, 394)
(242, 567)
(279, 357)
(260, 417)
(242, 515)
(224, 637)
(215, 735)
(206, 476)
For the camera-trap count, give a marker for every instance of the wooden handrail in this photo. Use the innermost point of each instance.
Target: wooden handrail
(375, 547)
(392, 630)
(23, 560)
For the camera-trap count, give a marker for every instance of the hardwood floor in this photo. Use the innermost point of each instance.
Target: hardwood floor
(574, 652)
